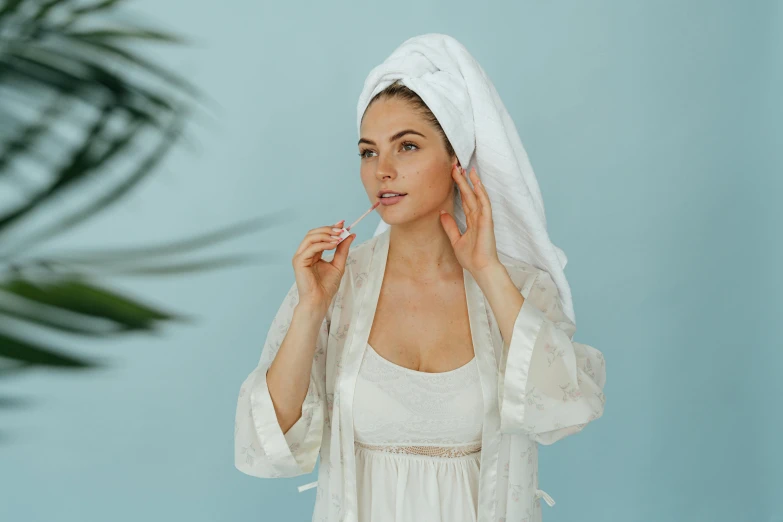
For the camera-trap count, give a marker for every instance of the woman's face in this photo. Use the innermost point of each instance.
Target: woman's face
(414, 163)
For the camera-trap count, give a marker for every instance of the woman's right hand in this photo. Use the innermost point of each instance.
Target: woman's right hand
(317, 280)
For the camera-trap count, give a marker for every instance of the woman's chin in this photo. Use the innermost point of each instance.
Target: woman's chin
(394, 217)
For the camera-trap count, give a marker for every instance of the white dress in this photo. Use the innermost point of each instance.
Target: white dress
(417, 442)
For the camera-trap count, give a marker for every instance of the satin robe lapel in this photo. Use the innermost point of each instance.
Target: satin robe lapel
(371, 273)
(488, 372)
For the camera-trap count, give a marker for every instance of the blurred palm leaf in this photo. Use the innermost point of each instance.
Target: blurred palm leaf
(60, 61)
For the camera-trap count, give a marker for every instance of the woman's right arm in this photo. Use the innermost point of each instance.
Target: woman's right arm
(281, 409)
(288, 378)
(271, 441)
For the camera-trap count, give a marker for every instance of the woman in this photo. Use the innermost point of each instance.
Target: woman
(425, 365)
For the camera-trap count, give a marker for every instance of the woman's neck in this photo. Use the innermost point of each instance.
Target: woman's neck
(422, 251)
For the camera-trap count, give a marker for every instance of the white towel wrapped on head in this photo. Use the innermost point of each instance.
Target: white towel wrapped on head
(463, 99)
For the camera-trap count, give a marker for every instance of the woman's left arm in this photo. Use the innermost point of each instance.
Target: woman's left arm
(552, 386)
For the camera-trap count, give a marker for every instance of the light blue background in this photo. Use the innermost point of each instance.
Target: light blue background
(654, 130)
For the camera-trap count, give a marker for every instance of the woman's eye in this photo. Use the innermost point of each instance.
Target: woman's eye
(363, 154)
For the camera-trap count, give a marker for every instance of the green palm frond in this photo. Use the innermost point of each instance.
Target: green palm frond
(83, 107)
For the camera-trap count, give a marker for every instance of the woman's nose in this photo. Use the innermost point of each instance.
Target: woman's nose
(386, 167)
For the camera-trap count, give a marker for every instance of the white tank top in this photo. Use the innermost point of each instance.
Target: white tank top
(397, 405)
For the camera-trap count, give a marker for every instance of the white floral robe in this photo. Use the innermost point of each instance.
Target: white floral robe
(537, 389)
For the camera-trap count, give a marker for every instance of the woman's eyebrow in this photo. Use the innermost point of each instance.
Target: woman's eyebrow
(393, 138)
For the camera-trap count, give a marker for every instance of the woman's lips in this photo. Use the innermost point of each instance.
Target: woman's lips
(392, 200)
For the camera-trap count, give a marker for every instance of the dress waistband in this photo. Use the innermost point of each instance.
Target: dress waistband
(430, 451)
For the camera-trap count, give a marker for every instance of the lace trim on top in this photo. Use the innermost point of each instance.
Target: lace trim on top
(430, 451)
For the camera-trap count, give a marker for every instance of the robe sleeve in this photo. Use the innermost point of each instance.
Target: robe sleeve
(261, 449)
(552, 386)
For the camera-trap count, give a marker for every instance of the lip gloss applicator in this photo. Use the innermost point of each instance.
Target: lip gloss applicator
(345, 232)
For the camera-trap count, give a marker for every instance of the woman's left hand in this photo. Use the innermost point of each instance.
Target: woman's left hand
(475, 249)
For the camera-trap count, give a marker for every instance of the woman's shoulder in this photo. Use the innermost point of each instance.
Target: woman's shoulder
(359, 258)
(360, 254)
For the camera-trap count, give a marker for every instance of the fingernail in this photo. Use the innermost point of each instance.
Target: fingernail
(337, 229)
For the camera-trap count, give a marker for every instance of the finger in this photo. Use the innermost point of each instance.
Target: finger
(450, 226)
(317, 248)
(481, 193)
(326, 228)
(477, 203)
(313, 238)
(341, 254)
(469, 202)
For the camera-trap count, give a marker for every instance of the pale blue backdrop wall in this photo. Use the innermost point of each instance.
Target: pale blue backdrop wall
(654, 130)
